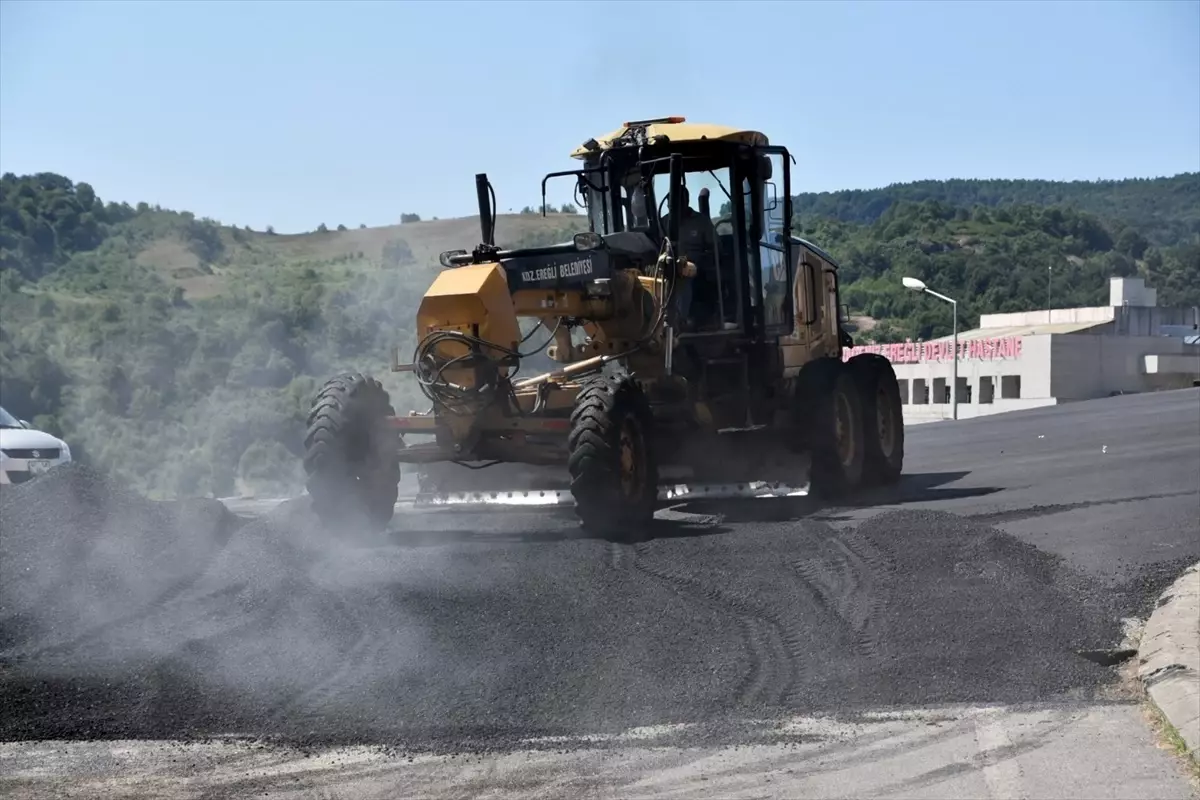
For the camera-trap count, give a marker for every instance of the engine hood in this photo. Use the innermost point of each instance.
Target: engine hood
(570, 268)
(555, 270)
(26, 439)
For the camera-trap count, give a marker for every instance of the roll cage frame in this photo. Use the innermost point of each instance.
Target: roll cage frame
(607, 173)
(605, 184)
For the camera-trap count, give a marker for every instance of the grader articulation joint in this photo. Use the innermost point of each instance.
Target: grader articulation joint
(686, 348)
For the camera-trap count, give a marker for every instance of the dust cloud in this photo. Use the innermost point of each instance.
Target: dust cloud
(200, 620)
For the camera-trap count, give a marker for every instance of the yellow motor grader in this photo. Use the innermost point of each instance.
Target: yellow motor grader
(690, 350)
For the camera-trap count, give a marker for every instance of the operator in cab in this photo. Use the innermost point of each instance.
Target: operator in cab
(698, 241)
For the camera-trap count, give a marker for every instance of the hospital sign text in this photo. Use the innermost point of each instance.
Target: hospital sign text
(910, 352)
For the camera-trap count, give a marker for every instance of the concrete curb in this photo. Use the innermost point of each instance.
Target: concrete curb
(1169, 657)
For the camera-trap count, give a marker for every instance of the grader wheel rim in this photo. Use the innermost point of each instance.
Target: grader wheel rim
(631, 472)
(885, 424)
(844, 426)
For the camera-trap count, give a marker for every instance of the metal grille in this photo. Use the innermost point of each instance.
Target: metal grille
(41, 452)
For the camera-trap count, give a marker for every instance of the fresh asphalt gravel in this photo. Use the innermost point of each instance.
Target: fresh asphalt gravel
(998, 571)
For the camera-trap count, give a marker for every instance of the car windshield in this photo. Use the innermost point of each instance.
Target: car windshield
(7, 420)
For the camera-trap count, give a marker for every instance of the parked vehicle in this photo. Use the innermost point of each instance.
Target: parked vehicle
(26, 452)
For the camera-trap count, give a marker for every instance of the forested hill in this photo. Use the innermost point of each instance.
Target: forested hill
(1001, 259)
(182, 354)
(1164, 210)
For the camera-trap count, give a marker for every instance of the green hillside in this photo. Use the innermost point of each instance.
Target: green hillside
(1164, 210)
(182, 354)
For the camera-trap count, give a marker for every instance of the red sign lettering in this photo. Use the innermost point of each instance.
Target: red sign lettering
(910, 352)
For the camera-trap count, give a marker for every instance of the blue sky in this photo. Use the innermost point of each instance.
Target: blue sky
(296, 113)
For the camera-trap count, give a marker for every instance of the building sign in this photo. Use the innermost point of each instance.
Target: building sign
(910, 352)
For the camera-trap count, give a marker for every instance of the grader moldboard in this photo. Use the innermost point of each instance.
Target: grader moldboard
(694, 356)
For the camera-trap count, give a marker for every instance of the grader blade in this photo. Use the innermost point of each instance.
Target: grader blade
(518, 498)
(667, 494)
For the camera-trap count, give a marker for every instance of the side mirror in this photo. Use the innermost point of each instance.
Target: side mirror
(24, 423)
(588, 240)
(773, 210)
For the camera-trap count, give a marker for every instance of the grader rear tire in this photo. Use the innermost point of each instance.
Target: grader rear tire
(614, 474)
(883, 419)
(835, 429)
(351, 454)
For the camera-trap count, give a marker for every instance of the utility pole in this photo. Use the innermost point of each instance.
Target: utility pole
(954, 372)
(1049, 286)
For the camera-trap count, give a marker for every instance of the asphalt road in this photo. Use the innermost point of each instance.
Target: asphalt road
(952, 637)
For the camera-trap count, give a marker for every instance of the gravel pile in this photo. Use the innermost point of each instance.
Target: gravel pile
(79, 552)
(122, 616)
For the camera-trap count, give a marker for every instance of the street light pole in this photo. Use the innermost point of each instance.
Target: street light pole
(919, 286)
(954, 372)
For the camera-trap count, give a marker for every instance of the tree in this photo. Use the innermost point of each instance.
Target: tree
(397, 253)
(203, 239)
(86, 195)
(1131, 243)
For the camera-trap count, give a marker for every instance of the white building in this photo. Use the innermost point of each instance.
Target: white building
(1042, 358)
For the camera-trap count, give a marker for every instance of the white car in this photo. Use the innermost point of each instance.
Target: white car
(25, 452)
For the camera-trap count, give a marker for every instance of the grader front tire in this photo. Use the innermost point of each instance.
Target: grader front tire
(351, 457)
(614, 475)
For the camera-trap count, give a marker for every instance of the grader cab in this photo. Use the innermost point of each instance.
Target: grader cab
(690, 349)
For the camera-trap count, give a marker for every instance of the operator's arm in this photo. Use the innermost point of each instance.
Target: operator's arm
(710, 235)
(708, 241)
